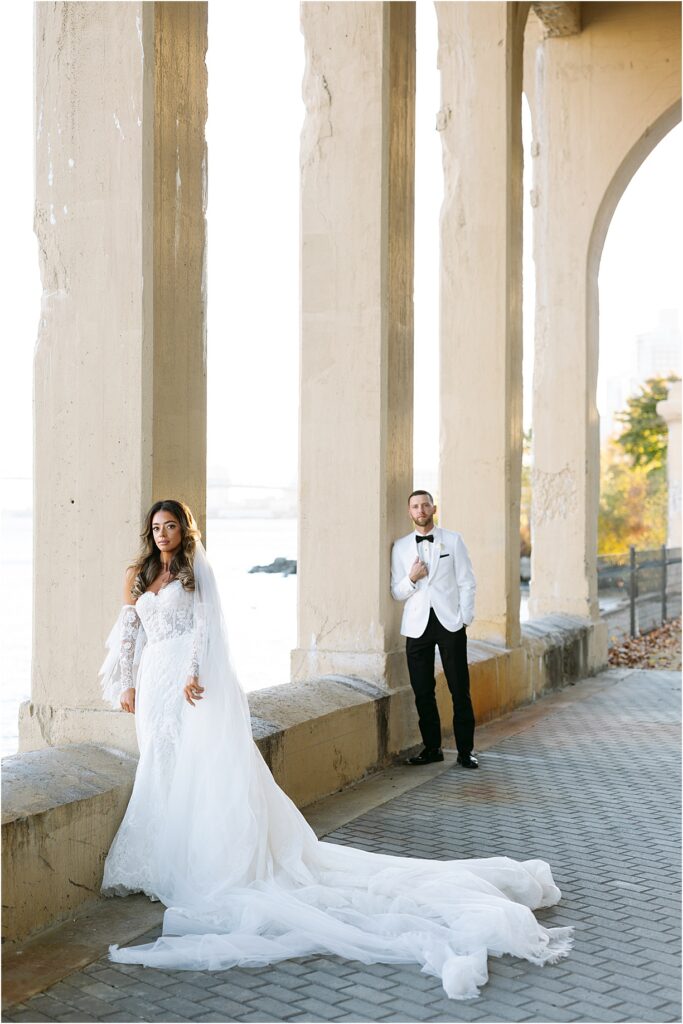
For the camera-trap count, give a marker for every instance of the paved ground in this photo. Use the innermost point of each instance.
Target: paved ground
(593, 787)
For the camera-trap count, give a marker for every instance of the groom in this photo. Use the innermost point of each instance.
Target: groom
(431, 571)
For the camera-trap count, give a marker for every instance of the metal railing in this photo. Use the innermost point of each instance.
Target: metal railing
(648, 583)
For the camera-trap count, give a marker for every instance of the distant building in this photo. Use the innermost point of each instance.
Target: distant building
(658, 352)
(617, 391)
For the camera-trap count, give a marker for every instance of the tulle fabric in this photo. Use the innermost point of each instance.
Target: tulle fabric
(246, 881)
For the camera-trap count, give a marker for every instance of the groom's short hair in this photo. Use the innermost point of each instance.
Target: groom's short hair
(415, 493)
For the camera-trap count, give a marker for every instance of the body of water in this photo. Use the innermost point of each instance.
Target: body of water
(260, 608)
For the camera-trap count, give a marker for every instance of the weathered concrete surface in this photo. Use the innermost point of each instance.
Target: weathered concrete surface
(120, 358)
(355, 466)
(177, 418)
(90, 458)
(32, 966)
(52, 725)
(561, 649)
(60, 811)
(600, 102)
(318, 736)
(480, 59)
(558, 19)
(670, 410)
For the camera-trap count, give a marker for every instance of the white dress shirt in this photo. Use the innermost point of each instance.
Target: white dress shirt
(425, 549)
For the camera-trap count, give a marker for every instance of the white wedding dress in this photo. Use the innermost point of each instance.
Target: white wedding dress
(245, 880)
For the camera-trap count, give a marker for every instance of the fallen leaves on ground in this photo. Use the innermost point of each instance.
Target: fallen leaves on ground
(661, 648)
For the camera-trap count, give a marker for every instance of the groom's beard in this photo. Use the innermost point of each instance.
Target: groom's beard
(424, 523)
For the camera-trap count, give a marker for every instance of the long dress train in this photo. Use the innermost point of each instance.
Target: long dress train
(243, 876)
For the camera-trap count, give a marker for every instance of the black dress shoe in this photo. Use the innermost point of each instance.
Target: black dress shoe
(468, 761)
(426, 757)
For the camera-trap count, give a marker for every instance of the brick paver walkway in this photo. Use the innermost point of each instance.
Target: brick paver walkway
(593, 787)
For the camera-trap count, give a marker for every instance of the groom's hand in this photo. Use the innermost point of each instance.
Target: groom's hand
(418, 571)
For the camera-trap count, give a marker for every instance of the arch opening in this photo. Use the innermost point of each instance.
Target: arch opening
(637, 274)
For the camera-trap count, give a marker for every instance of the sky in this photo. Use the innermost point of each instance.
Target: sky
(255, 117)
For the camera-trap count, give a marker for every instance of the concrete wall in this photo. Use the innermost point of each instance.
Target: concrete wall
(120, 370)
(61, 807)
(90, 393)
(355, 458)
(481, 299)
(60, 811)
(601, 100)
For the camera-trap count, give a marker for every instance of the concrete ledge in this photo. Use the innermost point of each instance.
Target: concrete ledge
(61, 809)
(48, 725)
(320, 736)
(561, 649)
(64, 804)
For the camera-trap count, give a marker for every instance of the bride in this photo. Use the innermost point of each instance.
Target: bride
(210, 834)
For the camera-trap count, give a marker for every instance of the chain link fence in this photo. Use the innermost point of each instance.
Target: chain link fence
(639, 590)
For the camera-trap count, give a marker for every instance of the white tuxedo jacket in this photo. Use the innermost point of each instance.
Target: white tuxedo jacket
(449, 588)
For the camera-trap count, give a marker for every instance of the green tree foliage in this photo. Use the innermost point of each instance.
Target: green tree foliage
(633, 504)
(645, 438)
(633, 492)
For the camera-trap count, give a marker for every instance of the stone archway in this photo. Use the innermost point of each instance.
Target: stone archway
(596, 116)
(633, 160)
(621, 179)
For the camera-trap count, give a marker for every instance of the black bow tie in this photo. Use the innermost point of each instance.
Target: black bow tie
(430, 538)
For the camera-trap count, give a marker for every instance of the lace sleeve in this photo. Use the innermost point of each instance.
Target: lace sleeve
(130, 625)
(124, 647)
(198, 640)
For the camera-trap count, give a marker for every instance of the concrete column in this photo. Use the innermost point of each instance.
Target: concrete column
(179, 192)
(119, 367)
(670, 410)
(480, 59)
(357, 185)
(566, 452)
(601, 102)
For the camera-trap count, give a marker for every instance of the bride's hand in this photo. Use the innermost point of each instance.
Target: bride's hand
(128, 700)
(193, 690)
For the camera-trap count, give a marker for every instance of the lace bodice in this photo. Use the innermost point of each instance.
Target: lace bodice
(164, 616)
(167, 614)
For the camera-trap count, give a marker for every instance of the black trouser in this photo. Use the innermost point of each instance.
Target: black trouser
(453, 650)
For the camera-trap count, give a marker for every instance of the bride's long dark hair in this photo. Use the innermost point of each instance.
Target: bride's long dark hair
(147, 565)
